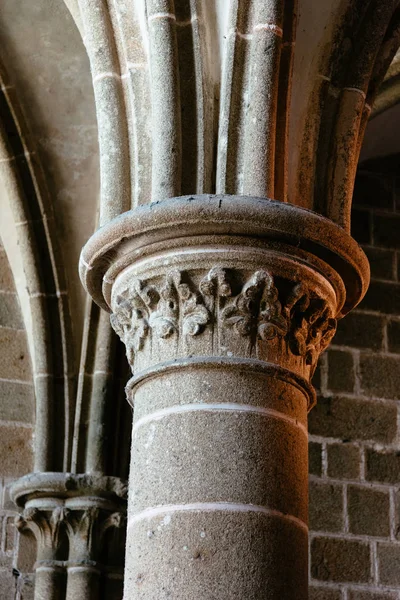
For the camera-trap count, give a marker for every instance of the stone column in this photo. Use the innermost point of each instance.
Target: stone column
(78, 522)
(88, 521)
(45, 523)
(224, 304)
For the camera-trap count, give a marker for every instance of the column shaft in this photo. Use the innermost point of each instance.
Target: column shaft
(219, 462)
(49, 583)
(83, 582)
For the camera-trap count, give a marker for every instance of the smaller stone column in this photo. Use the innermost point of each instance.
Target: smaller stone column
(79, 525)
(45, 523)
(88, 521)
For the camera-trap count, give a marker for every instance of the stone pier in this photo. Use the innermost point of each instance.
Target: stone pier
(224, 304)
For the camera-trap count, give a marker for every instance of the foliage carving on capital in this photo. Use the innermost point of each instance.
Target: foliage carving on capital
(86, 529)
(261, 309)
(256, 311)
(311, 327)
(171, 308)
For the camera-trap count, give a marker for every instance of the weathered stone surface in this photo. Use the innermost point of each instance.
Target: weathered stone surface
(326, 507)
(7, 585)
(380, 376)
(389, 564)
(322, 593)
(17, 401)
(340, 560)
(368, 511)
(341, 377)
(10, 312)
(14, 355)
(383, 466)
(343, 461)
(361, 330)
(267, 554)
(315, 458)
(16, 450)
(353, 419)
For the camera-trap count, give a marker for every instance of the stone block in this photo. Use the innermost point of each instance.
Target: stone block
(17, 401)
(381, 263)
(340, 560)
(15, 450)
(386, 231)
(10, 312)
(365, 595)
(380, 376)
(383, 467)
(14, 355)
(326, 507)
(343, 461)
(368, 511)
(393, 334)
(315, 458)
(353, 419)
(383, 297)
(322, 593)
(389, 564)
(360, 330)
(341, 376)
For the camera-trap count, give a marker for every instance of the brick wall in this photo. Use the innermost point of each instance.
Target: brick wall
(16, 419)
(354, 430)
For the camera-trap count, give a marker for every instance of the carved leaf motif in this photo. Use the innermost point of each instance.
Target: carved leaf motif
(177, 301)
(215, 284)
(172, 308)
(195, 316)
(311, 326)
(44, 524)
(131, 319)
(257, 310)
(164, 321)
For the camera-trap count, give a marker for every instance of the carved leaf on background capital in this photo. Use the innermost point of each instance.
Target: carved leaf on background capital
(311, 325)
(44, 524)
(257, 311)
(86, 529)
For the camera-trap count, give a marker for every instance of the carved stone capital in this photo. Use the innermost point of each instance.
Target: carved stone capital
(87, 524)
(237, 316)
(46, 524)
(224, 276)
(70, 515)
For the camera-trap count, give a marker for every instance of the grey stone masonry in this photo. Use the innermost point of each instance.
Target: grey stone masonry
(354, 441)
